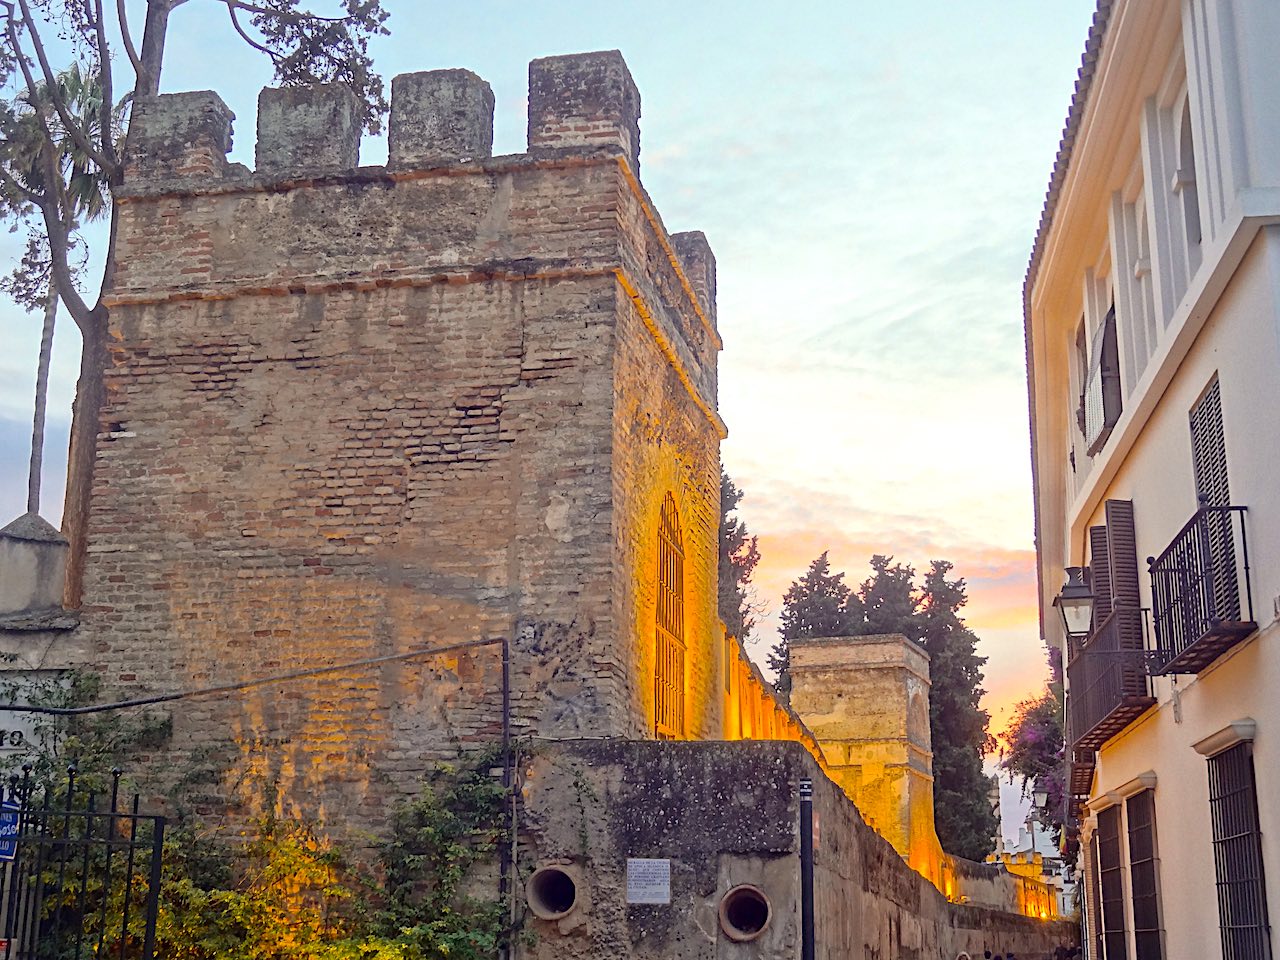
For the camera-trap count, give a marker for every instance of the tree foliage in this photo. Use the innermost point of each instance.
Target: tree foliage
(965, 822)
(1034, 751)
(61, 131)
(739, 554)
(821, 604)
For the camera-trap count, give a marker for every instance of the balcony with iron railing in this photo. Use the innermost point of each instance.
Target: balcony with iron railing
(1107, 684)
(1201, 599)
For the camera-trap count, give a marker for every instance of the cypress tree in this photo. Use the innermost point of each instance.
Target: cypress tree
(819, 604)
(739, 554)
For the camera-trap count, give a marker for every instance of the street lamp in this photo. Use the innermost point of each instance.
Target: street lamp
(1075, 604)
(1040, 797)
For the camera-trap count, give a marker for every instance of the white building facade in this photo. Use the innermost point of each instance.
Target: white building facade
(1153, 353)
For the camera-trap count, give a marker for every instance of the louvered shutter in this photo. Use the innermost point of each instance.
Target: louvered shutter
(1126, 601)
(1209, 455)
(1122, 554)
(1209, 450)
(1099, 574)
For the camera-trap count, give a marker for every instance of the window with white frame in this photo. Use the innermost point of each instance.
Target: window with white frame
(1184, 185)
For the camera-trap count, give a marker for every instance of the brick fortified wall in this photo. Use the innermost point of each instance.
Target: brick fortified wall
(351, 411)
(727, 815)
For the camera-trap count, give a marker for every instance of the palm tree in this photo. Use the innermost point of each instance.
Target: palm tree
(87, 193)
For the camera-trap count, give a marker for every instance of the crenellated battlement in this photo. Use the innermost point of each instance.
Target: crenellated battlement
(442, 209)
(580, 104)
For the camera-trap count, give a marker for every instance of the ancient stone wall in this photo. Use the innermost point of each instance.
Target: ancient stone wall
(866, 699)
(724, 815)
(355, 411)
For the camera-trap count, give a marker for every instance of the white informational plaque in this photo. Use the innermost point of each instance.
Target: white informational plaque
(648, 881)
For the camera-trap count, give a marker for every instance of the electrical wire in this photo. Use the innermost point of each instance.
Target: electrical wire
(245, 684)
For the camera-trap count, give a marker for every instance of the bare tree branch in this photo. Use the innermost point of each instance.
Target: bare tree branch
(127, 37)
(235, 22)
(72, 128)
(288, 17)
(105, 110)
(58, 248)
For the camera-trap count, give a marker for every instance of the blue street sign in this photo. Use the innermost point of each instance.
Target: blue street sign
(10, 814)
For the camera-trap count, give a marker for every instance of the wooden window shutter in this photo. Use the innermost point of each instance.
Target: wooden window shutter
(1099, 574)
(1209, 455)
(1209, 449)
(1126, 601)
(1122, 554)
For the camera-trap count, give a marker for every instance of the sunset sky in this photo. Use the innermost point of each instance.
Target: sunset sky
(870, 176)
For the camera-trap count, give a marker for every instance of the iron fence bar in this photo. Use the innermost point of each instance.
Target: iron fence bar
(14, 869)
(20, 878)
(153, 893)
(84, 875)
(106, 869)
(34, 906)
(128, 882)
(1244, 547)
(63, 852)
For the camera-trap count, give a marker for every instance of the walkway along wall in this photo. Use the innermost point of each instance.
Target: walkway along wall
(719, 816)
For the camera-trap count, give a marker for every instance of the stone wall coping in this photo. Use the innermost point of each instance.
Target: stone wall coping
(55, 619)
(34, 528)
(876, 651)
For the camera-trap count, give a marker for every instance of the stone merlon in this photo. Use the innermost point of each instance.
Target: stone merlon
(582, 101)
(439, 116)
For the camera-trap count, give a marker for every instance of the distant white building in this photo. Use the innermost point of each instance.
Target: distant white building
(1153, 350)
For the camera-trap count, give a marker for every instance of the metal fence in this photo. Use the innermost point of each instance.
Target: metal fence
(81, 875)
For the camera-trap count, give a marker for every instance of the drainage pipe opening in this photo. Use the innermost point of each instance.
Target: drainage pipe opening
(552, 893)
(745, 912)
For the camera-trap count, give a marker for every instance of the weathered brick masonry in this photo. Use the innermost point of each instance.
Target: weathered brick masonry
(354, 410)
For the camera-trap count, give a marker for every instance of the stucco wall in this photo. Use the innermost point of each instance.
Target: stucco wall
(1240, 343)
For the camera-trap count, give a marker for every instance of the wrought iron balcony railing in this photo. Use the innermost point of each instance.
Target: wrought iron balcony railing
(1201, 599)
(1107, 685)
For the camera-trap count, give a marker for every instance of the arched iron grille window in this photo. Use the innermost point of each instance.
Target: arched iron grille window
(669, 654)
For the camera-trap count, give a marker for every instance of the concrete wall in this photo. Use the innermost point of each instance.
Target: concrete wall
(351, 412)
(726, 814)
(33, 562)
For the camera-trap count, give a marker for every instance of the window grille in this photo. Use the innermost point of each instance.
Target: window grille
(1237, 855)
(670, 649)
(1144, 883)
(1111, 877)
(1101, 401)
